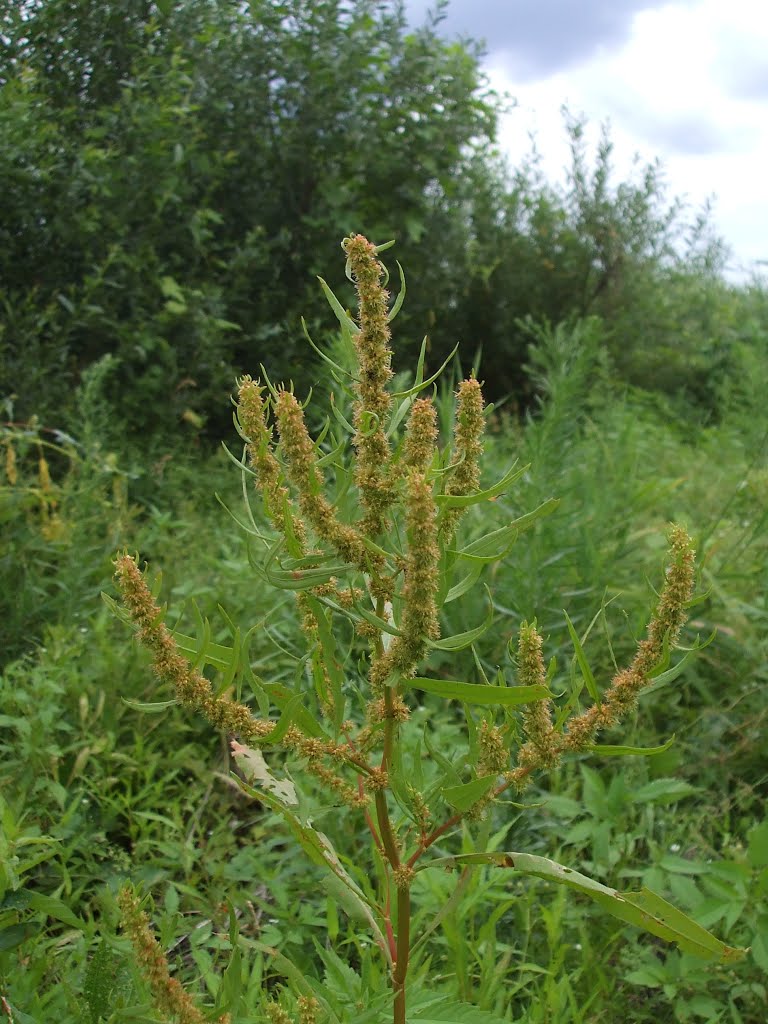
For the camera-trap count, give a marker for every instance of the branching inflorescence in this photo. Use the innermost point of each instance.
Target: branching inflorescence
(394, 554)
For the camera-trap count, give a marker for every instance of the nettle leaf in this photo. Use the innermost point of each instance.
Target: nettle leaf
(448, 1012)
(300, 981)
(478, 693)
(340, 979)
(107, 980)
(644, 909)
(54, 908)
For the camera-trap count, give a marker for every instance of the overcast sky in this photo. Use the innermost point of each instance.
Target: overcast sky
(686, 82)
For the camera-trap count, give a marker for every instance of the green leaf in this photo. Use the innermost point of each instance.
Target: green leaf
(384, 246)
(216, 655)
(757, 848)
(251, 762)
(327, 660)
(347, 323)
(464, 500)
(54, 908)
(14, 935)
(398, 416)
(323, 355)
(340, 417)
(609, 750)
(290, 714)
(151, 708)
(461, 640)
(297, 976)
(441, 1012)
(495, 545)
(465, 583)
(644, 909)
(478, 693)
(302, 579)
(281, 696)
(296, 576)
(383, 625)
(398, 303)
(586, 671)
(105, 977)
(465, 796)
(672, 673)
(420, 386)
(663, 791)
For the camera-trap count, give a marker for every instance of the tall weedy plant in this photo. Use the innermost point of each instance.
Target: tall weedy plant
(385, 554)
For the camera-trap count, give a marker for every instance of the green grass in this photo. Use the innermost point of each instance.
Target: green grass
(94, 792)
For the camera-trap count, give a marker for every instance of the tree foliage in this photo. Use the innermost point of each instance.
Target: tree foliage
(168, 167)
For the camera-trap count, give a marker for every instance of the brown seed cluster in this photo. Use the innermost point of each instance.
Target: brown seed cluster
(419, 620)
(301, 467)
(467, 449)
(372, 344)
(544, 749)
(170, 665)
(542, 740)
(252, 414)
(167, 992)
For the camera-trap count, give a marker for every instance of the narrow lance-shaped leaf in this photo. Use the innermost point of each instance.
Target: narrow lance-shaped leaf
(345, 320)
(464, 500)
(644, 909)
(465, 583)
(149, 708)
(220, 657)
(586, 671)
(324, 356)
(669, 676)
(217, 655)
(420, 386)
(479, 693)
(495, 544)
(398, 303)
(461, 640)
(613, 750)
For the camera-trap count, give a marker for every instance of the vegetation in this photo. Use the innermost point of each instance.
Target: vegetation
(175, 177)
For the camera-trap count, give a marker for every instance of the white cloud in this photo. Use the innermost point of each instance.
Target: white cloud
(689, 85)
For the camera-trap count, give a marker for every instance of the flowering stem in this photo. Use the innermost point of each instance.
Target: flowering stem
(403, 951)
